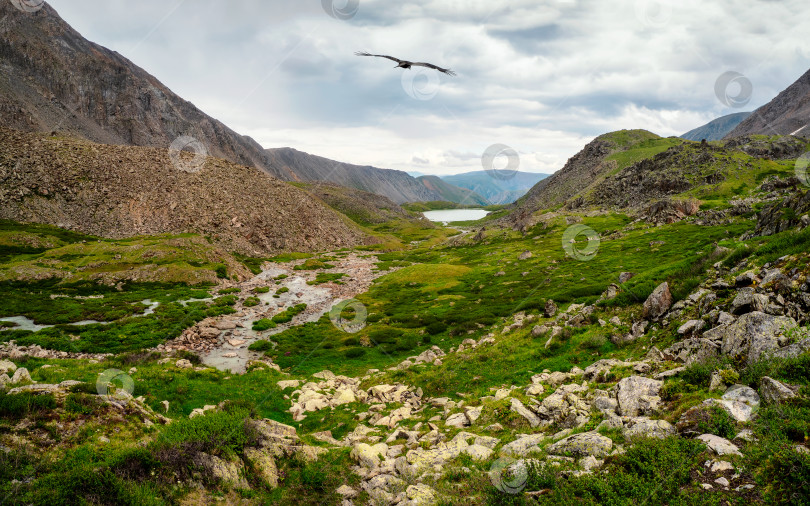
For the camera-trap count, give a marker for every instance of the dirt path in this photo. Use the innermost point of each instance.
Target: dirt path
(223, 342)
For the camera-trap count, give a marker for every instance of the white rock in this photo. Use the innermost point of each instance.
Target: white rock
(21, 375)
(523, 411)
(719, 445)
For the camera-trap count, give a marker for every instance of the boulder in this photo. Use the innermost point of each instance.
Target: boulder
(265, 465)
(742, 394)
(228, 472)
(658, 303)
(583, 445)
(420, 494)
(7, 367)
(691, 328)
(747, 301)
(21, 375)
(774, 392)
(524, 445)
(369, 456)
(793, 350)
(478, 452)
(692, 350)
(719, 445)
(646, 428)
(458, 420)
(630, 392)
(523, 411)
(753, 335)
(550, 309)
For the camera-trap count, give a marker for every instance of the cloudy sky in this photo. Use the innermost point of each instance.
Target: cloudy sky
(541, 76)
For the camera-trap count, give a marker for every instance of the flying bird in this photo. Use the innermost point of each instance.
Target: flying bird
(408, 64)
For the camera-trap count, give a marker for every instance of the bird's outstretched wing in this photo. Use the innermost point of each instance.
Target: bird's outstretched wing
(359, 53)
(430, 65)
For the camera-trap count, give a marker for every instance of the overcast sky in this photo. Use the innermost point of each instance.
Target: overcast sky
(542, 76)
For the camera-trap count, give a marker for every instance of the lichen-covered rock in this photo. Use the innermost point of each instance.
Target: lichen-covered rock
(774, 392)
(523, 411)
(524, 445)
(658, 303)
(692, 350)
(21, 375)
(7, 367)
(630, 392)
(582, 445)
(265, 465)
(229, 472)
(369, 456)
(719, 445)
(753, 335)
(646, 428)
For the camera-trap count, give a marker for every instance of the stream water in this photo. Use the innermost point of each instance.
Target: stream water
(25, 323)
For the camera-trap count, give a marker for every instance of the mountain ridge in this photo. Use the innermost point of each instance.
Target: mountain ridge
(787, 114)
(716, 129)
(56, 80)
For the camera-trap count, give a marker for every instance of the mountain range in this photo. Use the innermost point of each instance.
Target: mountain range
(497, 190)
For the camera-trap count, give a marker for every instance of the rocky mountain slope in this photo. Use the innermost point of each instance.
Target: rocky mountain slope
(716, 129)
(121, 191)
(452, 193)
(497, 191)
(394, 184)
(665, 179)
(584, 170)
(363, 207)
(787, 114)
(54, 79)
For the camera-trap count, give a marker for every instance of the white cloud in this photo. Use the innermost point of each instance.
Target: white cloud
(541, 76)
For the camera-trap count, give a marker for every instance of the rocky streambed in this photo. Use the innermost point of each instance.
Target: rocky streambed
(223, 342)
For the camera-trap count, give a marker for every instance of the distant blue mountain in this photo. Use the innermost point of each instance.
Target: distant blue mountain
(716, 129)
(498, 190)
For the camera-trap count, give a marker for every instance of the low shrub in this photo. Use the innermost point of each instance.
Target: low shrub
(263, 324)
(355, 352)
(25, 404)
(261, 345)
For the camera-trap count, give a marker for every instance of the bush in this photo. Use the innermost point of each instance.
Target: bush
(355, 352)
(82, 404)
(261, 289)
(217, 432)
(719, 422)
(222, 271)
(263, 324)
(435, 328)
(261, 345)
(287, 315)
(385, 336)
(251, 302)
(594, 342)
(24, 404)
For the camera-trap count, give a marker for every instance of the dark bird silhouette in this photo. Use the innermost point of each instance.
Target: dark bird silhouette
(405, 64)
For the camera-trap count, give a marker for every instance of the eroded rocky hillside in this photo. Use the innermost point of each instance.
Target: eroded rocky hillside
(121, 191)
